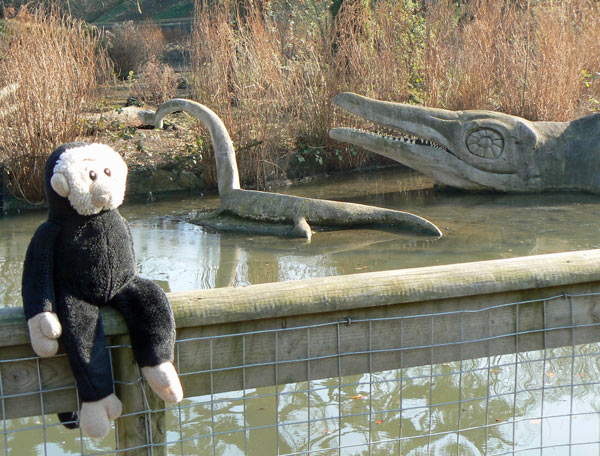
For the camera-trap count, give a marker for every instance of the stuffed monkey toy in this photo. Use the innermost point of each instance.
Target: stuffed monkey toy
(80, 260)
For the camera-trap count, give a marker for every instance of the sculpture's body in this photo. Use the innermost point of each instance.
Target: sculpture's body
(483, 150)
(275, 207)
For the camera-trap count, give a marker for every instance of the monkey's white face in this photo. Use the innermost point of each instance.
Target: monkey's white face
(92, 177)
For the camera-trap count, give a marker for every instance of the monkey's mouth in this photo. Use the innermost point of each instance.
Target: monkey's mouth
(101, 200)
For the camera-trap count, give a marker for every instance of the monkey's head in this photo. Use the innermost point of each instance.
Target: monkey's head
(91, 176)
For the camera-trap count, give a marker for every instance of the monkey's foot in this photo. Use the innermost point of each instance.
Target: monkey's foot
(164, 381)
(302, 228)
(95, 416)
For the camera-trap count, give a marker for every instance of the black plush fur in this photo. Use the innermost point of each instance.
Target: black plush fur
(77, 264)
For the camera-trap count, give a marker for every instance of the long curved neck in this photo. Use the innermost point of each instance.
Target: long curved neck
(227, 172)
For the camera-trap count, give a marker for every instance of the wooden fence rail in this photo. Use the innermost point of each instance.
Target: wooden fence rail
(231, 339)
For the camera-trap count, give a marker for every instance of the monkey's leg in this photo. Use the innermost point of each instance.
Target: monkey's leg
(152, 329)
(83, 339)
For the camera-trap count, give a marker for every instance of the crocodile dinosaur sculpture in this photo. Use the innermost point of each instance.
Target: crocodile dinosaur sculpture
(480, 150)
(297, 212)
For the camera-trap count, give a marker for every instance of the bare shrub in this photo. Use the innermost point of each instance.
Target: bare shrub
(266, 78)
(52, 62)
(528, 61)
(156, 83)
(132, 45)
(272, 76)
(376, 51)
(373, 48)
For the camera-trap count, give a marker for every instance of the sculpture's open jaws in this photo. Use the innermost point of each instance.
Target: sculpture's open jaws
(299, 213)
(479, 149)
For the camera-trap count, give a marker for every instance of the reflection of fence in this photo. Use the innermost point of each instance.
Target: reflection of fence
(459, 359)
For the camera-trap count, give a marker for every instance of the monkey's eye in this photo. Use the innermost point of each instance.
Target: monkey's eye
(93, 175)
(107, 172)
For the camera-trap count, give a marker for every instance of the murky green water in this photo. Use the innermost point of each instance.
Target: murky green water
(182, 256)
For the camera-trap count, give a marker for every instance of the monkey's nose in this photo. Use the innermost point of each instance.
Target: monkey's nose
(101, 200)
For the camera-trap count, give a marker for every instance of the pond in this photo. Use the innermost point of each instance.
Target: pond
(180, 256)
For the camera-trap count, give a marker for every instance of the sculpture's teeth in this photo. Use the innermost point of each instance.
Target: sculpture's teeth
(398, 137)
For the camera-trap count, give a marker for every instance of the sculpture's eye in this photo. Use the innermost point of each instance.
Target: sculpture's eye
(107, 172)
(485, 143)
(93, 175)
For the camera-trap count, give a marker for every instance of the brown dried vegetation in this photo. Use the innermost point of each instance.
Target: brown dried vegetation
(156, 83)
(271, 72)
(540, 61)
(132, 45)
(50, 65)
(271, 76)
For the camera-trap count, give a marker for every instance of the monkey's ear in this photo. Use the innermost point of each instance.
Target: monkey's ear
(60, 185)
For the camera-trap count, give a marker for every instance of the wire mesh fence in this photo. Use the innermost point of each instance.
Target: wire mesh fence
(491, 380)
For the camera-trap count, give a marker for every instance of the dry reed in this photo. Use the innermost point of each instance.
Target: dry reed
(534, 60)
(133, 45)
(156, 83)
(272, 76)
(53, 64)
(265, 79)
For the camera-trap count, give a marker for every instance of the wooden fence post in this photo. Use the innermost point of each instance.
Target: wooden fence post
(143, 423)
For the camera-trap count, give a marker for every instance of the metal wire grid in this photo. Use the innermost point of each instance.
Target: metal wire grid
(537, 402)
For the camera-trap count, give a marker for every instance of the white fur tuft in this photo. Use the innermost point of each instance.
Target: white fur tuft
(76, 164)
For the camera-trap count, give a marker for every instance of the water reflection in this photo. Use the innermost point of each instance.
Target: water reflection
(182, 256)
(484, 406)
(497, 404)
(476, 226)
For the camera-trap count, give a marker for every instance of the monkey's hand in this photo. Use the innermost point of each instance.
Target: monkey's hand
(44, 331)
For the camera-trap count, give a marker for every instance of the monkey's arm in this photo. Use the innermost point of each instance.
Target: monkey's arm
(38, 290)
(38, 271)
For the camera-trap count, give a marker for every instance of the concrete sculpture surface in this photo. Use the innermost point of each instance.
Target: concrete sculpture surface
(297, 212)
(479, 150)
